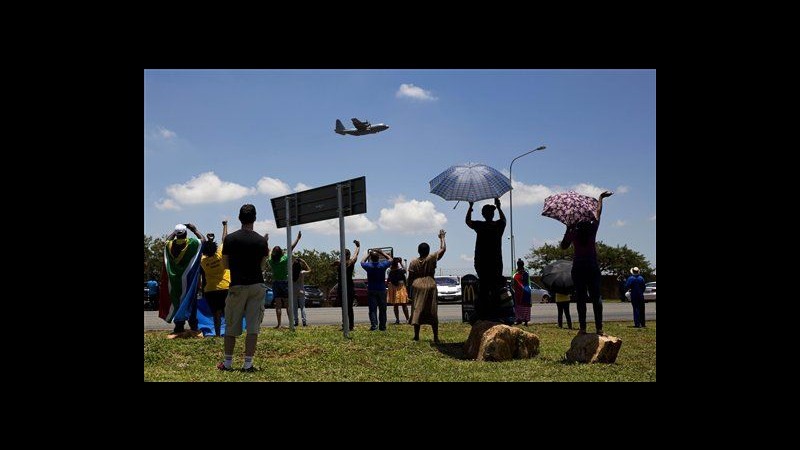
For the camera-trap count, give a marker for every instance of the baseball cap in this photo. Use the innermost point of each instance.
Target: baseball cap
(180, 229)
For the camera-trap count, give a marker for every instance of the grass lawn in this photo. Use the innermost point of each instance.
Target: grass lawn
(320, 353)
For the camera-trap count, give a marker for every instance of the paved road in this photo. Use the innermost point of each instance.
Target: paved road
(540, 313)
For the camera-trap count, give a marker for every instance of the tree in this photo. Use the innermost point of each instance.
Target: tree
(322, 274)
(611, 260)
(153, 257)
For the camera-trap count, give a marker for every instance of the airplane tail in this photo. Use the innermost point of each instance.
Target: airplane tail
(339, 127)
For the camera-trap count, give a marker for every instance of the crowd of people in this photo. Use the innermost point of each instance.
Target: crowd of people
(230, 274)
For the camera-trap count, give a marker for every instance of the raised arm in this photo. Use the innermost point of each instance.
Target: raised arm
(366, 257)
(468, 219)
(299, 235)
(500, 211)
(442, 245)
(224, 230)
(388, 258)
(196, 232)
(354, 258)
(600, 203)
(265, 259)
(567, 240)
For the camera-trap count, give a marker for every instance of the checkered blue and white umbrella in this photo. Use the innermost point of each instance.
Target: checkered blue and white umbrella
(470, 183)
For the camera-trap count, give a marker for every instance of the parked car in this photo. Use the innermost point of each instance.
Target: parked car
(150, 303)
(361, 293)
(314, 296)
(147, 304)
(448, 289)
(538, 293)
(649, 292)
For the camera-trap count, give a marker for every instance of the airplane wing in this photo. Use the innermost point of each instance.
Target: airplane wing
(360, 126)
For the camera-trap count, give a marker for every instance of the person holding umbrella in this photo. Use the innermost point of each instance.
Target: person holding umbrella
(585, 271)
(557, 277)
(488, 257)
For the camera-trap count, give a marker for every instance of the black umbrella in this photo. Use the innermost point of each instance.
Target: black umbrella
(557, 276)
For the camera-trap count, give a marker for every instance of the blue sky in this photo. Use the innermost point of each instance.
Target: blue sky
(216, 139)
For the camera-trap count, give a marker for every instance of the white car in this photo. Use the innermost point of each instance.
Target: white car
(538, 293)
(448, 288)
(649, 292)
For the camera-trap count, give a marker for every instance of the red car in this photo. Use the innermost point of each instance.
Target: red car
(361, 293)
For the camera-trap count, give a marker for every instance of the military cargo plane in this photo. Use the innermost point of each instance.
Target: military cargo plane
(361, 128)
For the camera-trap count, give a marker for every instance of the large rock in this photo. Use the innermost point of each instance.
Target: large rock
(593, 348)
(493, 341)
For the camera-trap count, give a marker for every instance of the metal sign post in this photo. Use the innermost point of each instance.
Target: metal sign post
(345, 198)
(343, 267)
(290, 309)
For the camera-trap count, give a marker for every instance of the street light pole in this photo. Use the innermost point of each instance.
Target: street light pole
(511, 204)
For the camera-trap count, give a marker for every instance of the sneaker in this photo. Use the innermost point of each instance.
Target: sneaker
(304, 324)
(221, 366)
(251, 369)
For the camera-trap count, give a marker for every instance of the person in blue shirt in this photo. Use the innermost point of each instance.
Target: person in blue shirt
(376, 287)
(635, 284)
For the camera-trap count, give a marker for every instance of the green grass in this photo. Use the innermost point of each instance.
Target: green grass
(320, 353)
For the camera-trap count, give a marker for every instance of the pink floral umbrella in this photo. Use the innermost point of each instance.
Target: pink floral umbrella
(570, 207)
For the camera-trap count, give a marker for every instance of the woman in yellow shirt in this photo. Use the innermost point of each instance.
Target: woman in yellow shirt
(216, 278)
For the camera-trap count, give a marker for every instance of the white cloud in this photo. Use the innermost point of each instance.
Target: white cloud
(622, 190)
(167, 203)
(207, 188)
(272, 187)
(588, 189)
(653, 218)
(412, 216)
(352, 224)
(619, 223)
(415, 92)
(165, 133)
(534, 194)
(301, 187)
(467, 258)
(526, 194)
(267, 226)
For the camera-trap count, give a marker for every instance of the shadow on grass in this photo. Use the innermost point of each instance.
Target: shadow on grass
(454, 350)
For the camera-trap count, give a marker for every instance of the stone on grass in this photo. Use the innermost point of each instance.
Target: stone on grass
(493, 341)
(594, 348)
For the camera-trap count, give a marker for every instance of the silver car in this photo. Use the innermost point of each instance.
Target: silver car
(448, 288)
(539, 294)
(649, 292)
